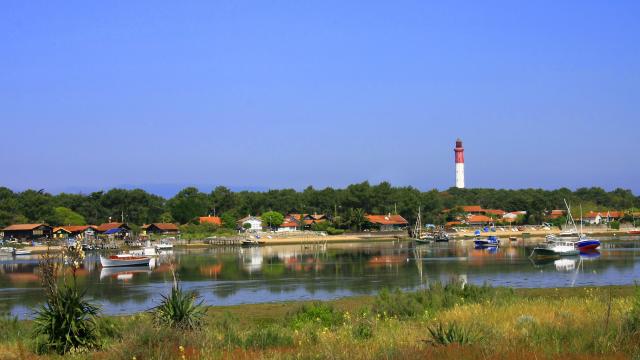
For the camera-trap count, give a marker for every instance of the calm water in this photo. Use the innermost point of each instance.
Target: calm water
(227, 276)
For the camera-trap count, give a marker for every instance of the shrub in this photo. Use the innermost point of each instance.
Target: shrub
(363, 330)
(179, 310)
(452, 333)
(66, 321)
(269, 336)
(318, 313)
(435, 298)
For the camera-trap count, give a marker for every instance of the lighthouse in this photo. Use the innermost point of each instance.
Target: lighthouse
(459, 151)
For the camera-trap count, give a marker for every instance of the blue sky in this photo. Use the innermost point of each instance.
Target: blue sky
(273, 94)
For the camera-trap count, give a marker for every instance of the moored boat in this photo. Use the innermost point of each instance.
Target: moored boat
(633, 232)
(556, 248)
(490, 241)
(124, 260)
(587, 244)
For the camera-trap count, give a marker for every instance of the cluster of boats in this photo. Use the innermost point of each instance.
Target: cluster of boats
(568, 243)
(136, 258)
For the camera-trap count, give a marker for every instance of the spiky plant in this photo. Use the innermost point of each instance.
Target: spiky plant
(179, 310)
(452, 333)
(67, 320)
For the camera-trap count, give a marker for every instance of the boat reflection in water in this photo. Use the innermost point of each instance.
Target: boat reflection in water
(123, 273)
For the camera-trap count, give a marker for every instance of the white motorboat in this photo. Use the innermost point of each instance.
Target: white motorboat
(21, 252)
(124, 260)
(556, 248)
(164, 245)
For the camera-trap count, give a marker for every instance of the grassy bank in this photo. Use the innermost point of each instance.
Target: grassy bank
(448, 322)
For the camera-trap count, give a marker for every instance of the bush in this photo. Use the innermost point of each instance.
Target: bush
(615, 225)
(179, 310)
(452, 333)
(269, 336)
(435, 298)
(66, 321)
(363, 330)
(317, 313)
(334, 231)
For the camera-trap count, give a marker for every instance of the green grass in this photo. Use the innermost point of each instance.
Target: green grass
(470, 322)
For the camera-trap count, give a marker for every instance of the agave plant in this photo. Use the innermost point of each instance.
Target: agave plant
(452, 333)
(67, 321)
(179, 310)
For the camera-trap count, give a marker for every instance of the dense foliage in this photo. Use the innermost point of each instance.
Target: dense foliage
(346, 206)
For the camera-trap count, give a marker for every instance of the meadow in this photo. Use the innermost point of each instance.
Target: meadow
(447, 321)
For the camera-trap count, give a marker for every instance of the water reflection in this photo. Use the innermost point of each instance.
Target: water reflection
(234, 275)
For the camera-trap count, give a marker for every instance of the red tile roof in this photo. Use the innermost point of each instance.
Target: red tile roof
(289, 224)
(387, 219)
(79, 228)
(22, 227)
(58, 228)
(108, 226)
(498, 212)
(210, 220)
(163, 226)
(472, 208)
(479, 219)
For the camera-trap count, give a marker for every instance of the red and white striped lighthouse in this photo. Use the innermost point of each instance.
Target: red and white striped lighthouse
(459, 150)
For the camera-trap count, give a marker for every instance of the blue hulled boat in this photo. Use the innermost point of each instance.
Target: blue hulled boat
(490, 242)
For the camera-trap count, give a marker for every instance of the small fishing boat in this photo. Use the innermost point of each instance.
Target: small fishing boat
(633, 232)
(490, 241)
(18, 252)
(164, 247)
(124, 260)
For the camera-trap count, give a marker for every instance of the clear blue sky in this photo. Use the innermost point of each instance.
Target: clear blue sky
(274, 94)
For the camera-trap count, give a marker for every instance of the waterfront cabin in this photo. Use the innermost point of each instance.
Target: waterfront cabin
(254, 223)
(114, 230)
(27, 232)
(387, 222)
(87, 232)
(61, 233)
(160, 228)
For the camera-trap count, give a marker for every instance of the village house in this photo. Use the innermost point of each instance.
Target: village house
(160, 228)
(387, 222)
(75, 231)
(27, 232)
(250, 223)
(306, 219)
(114, 229)
(512, 216)
(603, 217)
(478, 220)
(61, 233)
(556, 214)
(215, 220)
(288, 226)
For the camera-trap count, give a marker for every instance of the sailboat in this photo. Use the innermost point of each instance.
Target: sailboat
(579, 239)
(417, 231)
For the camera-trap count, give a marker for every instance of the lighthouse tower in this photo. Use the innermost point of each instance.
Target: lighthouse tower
(459, 150)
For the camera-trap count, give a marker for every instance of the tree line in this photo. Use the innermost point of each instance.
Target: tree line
(345, 206)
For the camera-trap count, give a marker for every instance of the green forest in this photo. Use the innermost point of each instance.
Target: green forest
(139, 207)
